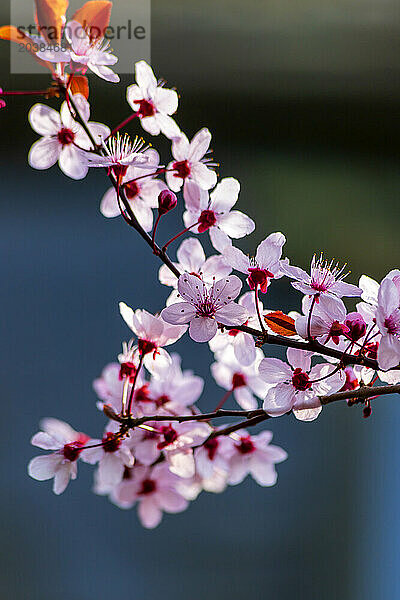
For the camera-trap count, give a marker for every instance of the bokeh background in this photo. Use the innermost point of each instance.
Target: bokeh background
(303, 102)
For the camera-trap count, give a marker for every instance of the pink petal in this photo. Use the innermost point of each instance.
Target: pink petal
(202, 329)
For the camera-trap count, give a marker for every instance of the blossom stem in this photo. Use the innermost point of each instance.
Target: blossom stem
(123, 123)
(258, 309)
(178, 235)
(309, 317)
(128, 410)
(133, 221)
(153, 237)
(223, 400)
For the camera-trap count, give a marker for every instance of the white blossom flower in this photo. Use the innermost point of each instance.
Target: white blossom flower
(296, 386)
(61, 464)
(213, 213)
(254, 455)
(120, 153)
(154, 489)
(264, 266)
(141, 193)
(388, 321)
(153, 334)
(189, 164)
(84, 53)
(153, 102)
(62, 137)
(192, 259)
(325, 278)
(205, 307)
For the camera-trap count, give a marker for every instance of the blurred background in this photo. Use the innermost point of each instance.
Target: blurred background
(302, 99)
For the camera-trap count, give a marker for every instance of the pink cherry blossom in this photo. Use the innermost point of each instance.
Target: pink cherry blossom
(243, 343)
(120, 152)
(244, 381)
(61, 464)
(192, 259)
(153, 334)
(388, 321)
(254, 455)
(154, 490)
(296, 386)
(264, 266)
(205, 307)
(190, 164)
(176, 440)
(153, 102)
(62, 137)
(175, 390)
(325, 278)
(112, 456)
(141, 195)
(84, 53)
(213, 213)
(212, 458)
(327, 319)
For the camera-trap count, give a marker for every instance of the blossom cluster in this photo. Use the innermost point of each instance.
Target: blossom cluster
(159, 450)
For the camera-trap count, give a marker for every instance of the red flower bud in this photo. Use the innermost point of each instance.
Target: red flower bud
(166, 201)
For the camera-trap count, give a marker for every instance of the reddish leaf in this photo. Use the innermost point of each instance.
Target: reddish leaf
(50, 19)
(280, 323)
(94, 16)
(80, 85)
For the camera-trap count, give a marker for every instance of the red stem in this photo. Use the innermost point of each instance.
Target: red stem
(178, 235)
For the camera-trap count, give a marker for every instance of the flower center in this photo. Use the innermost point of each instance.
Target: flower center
(148, 487)
(392, 323)
(119, 171)
(258, 277)
(301, 380)
(146, 346)
(206, 220)
(164, 399)
(131, 189)
(72, 450)
(207, 309)
(336, 330)
(65, 136)
(146, 108)
(169, 434)
(238, 380)
(142, 394)
(182, 169)
(110, 442)
(211, 446)
(246, 446)
(127, 369)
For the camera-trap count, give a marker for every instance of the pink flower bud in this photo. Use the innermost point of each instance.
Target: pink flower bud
(166, 201)
(357, 326)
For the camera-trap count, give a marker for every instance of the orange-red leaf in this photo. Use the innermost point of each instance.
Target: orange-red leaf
(280, 323)
(13, 34)
(80, 85)
(95, 16)
(50, 19)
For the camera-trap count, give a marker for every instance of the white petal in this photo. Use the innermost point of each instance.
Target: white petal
(62, 476)
(71, 163)
(109, 204)
(44, 153)
(44, 467)
(236, 224)
(270, 250)
(202, 329)
(225, 195)
(178, 314)
(388, 352)
(44, 120)
(203, 176)
(182, 463)
(299, 359)
(111, 469)
(225, 290)
(149, 514)
(219, 239)
(237, 259)
(145, 78)
(199, 145)
(180, 147)
(191, 255)
(191, 288)
(279, 400)
(262, 471)
(245, 398)
(196, 199)
(274, 370)
(231, 314)
(165, 100)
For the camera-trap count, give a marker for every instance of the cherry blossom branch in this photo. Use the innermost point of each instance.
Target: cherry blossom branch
(264, 337)
(253, 416)
(133, 222)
